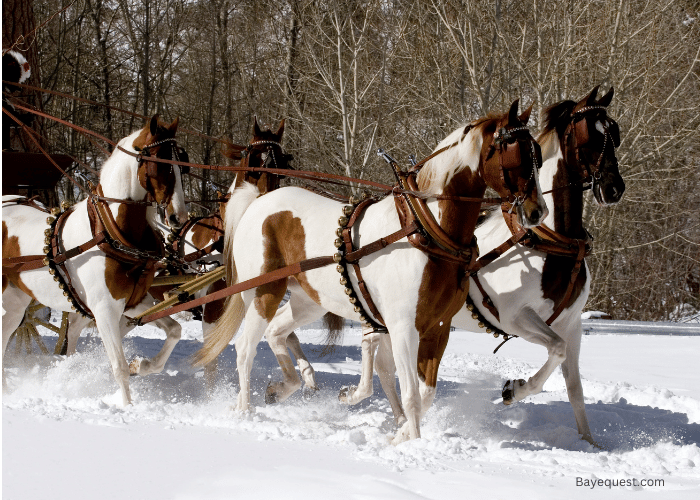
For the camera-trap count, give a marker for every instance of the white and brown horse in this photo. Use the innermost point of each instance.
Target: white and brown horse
(416, 293)
(100, 256)
(538, 289)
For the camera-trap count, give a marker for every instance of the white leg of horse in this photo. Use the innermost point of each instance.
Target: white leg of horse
(173, 332)
(76, 324)
(106, 318)
(14, 303)
(353, 395)
(308, 374)
(533, 328)
(386, 369)
(405, 346)
(300, 310)
(246, 347)
(574, 389)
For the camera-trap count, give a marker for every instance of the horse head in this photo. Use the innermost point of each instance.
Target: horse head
(590, 141)
(512, 158)
(162, 181)
(264, 151)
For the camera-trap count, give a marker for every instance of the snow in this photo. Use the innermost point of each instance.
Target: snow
(63, 436)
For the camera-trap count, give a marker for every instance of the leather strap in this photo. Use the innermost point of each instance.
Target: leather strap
(572, 281)
(486, 300)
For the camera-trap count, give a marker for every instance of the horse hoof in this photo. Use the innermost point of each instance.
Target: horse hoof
(271, 395)
(508, 392)
(309, 392)
(135, 367)
(345, 393)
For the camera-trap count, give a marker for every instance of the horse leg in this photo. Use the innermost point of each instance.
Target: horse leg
(353, 395)
(107, 315)
(429, 356)
(386, 369)
(405, 347)
(262, 305)
(76, 324)
(211, 314)
(533, 328)
(173, 332)
(307, 371)
(14, 304)
(300, 310)
(574, 389)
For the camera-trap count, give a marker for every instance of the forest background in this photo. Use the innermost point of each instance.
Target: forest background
(351, 76)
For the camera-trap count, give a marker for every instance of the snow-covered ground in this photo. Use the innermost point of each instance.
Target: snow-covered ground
(62, 436)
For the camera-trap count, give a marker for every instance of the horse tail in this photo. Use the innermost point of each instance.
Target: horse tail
(234, 309)
(334, 324)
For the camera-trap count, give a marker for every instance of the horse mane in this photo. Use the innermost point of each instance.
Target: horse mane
(555, 119)
(112, 172)
(438, 171)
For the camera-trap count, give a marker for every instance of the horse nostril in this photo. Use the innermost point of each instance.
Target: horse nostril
(535, 215)
(173, 219)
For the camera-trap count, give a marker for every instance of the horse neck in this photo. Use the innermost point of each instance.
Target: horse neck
(119, 180)
(455, 173)
(565, 202)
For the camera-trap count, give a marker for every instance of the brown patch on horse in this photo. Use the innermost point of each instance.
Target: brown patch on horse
(214, 310)
(430, 352)
(10, 249)
(284, 242)
(122, 279)
(206, 230)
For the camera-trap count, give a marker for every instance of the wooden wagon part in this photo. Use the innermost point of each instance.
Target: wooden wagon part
(27, 331)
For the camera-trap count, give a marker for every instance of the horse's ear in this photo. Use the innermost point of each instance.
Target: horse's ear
(607, 98)
(173, 126)
(525, 116)
(256, 128)
(280, 130)
(590, 98)
(153, 126)
(513, 114)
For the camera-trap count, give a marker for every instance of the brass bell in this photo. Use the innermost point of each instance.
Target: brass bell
(354, 200)
(475, 316)
(348, 209)
(49, 220)
(47, 249)
(338, 243)
(367, 325)
(353, 300)
(73, 308)
(488, 330)
(348, 291)
(495, 335)
(171, 238)
(363, 317)
(55, 211)
(45, 261)
(47, 231)
(65, 293)
(56, 279)
(364, 195)
(342, 221)
(358, 309)
(65, 205)
(52, 271)
(343, 280)
(47, 241)
(339, 232)
(481, 324)
(470, 307)
(339, 268)
(337, 257)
